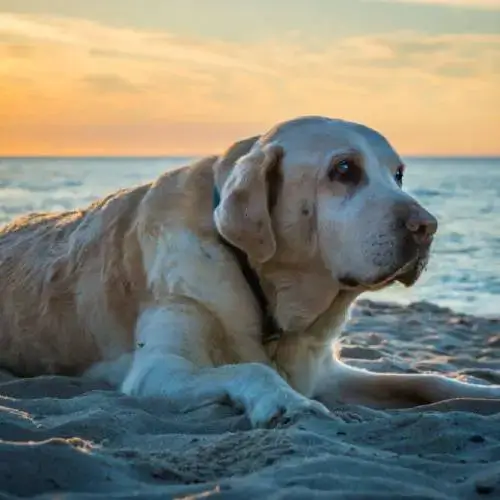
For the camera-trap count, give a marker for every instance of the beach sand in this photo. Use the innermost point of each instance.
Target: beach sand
(66, 438)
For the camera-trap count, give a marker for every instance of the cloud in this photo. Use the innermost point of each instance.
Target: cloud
(470, 4)
(119, 42)
(477, 55)
(85, 76)
(23, 51)
(32, 28)
(110, 83)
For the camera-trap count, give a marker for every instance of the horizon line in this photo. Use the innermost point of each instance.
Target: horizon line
(189, 156)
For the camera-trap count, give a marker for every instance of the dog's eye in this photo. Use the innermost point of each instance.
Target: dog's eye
(399, 176)
(344, 171)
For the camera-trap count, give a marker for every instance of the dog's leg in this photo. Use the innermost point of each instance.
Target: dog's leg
(346, 384)
(170, 360)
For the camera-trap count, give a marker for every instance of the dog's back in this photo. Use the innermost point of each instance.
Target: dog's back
(64, 276)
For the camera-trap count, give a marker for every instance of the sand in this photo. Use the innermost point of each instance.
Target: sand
(66, 438)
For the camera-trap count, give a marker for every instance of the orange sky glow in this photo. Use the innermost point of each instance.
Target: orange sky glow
(72, 84)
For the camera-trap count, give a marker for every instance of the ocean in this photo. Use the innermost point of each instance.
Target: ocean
(463, 193)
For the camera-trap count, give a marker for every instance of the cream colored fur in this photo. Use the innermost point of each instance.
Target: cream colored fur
(137, 289)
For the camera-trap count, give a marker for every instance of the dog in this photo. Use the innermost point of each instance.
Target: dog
(228, 278)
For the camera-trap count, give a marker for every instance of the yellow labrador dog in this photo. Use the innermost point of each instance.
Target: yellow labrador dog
(228, 278)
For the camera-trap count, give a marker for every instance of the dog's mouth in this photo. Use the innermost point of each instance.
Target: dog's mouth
(408, 274)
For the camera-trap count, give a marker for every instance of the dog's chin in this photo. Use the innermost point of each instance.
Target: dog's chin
(411, 275)
(407, 274)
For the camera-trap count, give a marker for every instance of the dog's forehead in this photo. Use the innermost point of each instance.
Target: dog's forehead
(314, 140)
(379, 147)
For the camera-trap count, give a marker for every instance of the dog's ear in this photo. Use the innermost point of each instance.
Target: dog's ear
(243, 216)
(227, 160)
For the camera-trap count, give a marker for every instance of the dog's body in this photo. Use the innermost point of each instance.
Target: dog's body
(143, 288)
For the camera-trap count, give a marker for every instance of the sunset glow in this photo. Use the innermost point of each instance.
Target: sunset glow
(92, 81)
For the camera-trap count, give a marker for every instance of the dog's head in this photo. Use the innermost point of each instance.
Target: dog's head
(326, 194)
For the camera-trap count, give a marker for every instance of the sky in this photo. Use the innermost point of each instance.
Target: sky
(189, 77)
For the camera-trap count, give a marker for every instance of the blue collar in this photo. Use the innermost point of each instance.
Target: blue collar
(215, 198)
(270, 329)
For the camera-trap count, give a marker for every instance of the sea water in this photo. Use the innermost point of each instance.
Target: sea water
(463, 193)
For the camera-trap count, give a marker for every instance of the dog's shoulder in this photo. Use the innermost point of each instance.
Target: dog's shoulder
(182, 251)
(180, 198)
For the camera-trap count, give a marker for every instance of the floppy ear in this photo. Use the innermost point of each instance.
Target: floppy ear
(226, 161)
(243, 216)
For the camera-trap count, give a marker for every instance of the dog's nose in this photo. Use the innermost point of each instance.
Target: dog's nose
(421, 224)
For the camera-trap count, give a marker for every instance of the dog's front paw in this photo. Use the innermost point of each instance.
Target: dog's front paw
(284, 406)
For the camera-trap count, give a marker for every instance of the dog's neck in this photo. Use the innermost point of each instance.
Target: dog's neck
(291, 300)
(271, 329)
(310, 313)
(299, 355)
(300, 298)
